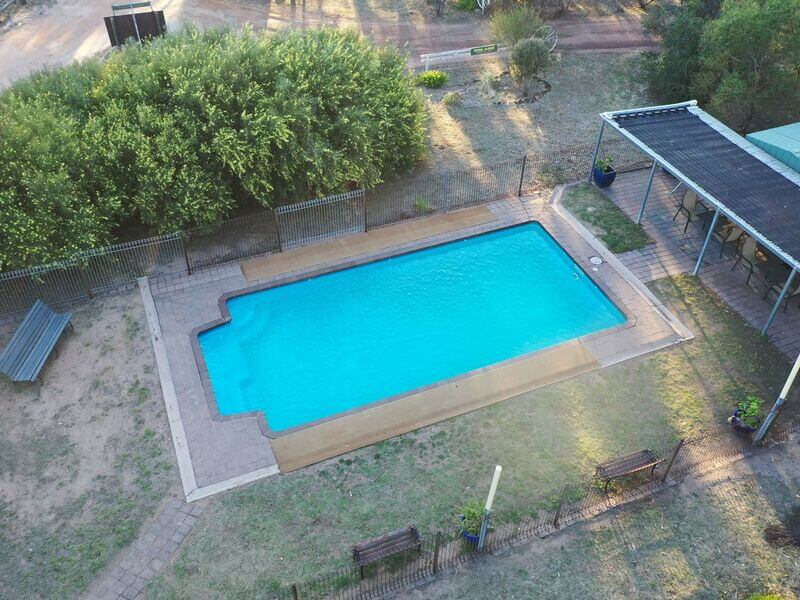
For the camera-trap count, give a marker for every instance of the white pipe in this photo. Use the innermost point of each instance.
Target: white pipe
(493, 489)
(765, 426)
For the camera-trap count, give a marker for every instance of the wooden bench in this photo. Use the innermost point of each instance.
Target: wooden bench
(33, 342)
(627, 465)
(388, 544)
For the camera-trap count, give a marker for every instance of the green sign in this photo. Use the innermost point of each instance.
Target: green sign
(483, 49)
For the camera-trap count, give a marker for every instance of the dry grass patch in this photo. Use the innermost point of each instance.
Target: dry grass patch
(85, 457)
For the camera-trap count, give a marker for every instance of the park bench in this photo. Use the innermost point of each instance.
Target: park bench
(33, 342)
(388, 544)
(627, 465)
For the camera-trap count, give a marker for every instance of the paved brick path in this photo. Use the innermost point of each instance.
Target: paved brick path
(676, 252)
(148, 554)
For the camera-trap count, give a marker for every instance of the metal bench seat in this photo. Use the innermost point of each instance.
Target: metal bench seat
(25, 355)
(627, 465)
(388, 544)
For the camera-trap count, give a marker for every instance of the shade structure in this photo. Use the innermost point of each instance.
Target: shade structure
(748, 186)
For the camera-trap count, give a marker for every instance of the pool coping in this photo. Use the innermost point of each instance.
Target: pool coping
(357, 261)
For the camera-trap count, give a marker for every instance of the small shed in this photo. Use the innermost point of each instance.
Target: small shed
(782, 143)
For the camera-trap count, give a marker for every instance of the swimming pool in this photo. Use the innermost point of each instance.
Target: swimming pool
(316, 348)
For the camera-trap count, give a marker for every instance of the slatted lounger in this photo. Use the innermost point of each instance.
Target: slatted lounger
(37, 336)
(388, 544)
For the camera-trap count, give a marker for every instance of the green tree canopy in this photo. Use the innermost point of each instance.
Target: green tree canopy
(741, 61)
(182, 131)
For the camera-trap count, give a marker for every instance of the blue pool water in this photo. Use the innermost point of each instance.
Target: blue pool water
(312, 349)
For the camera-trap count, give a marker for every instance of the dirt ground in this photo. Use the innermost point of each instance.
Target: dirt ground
(84, 457)
(52, 33)
(480, 131)
(704, 538)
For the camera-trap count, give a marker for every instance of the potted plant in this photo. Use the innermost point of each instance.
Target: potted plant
(470, 520)
(604, 172)
(747, 417)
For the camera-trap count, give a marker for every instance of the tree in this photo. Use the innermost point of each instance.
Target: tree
(741, 60)
(529, 58)
(750, 63)
(184, 130)
(670, 72)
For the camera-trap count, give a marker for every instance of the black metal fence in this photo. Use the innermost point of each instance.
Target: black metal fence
(91, 273)
(117, 267)
(570, 504)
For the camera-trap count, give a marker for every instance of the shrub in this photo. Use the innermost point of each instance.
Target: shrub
(605, 164)
(422, 206)
(451, 99)
(183, 130)
(465, 4)
(529, 58)
(510, 26)
(488, 85)
(750, 411)
(472, 513)
(433, 79)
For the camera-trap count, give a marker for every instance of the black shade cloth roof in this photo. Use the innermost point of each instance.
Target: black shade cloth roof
(738, 181)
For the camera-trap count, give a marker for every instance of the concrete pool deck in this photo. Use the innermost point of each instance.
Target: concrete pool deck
(225, 451)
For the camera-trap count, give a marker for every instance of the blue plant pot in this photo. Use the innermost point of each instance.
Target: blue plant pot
(739, 426)
(473, 539)
(603, 179)
(468, 536)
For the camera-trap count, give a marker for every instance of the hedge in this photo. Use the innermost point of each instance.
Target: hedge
(185, 130)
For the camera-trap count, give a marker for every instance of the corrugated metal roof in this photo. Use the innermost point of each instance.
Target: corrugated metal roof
(781, 142)
(723, 167)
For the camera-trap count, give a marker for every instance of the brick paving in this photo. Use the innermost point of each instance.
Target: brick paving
(126, 578)
(676, 252)
(220, 449)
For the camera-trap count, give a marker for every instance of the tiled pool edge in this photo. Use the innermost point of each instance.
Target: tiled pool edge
(179, 440)
(357, 261)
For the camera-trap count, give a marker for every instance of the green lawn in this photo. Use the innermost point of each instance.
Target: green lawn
(296, 526)
(701, 540)
(605, 219)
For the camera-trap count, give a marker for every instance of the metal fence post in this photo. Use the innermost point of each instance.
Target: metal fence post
(522, 175)
(436, 547)
(364, 208)
(561, 501)
(678, 447)
(295, 595)
(185, 253)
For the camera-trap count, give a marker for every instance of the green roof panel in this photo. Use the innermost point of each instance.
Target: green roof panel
(781, 142)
